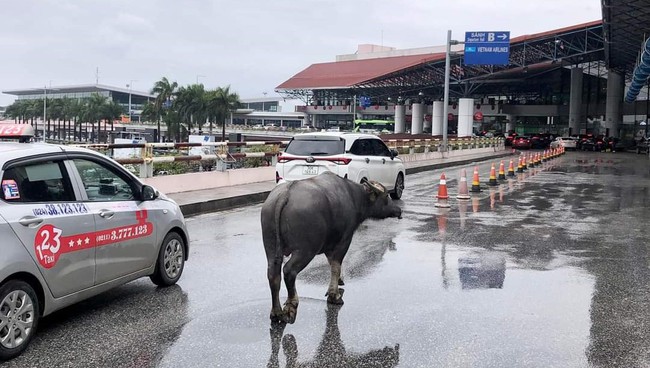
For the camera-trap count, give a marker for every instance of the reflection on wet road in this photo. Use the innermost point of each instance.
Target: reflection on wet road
(548, 269)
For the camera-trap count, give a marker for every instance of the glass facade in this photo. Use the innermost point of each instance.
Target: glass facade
(137, 101)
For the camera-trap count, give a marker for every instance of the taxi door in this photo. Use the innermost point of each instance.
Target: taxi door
(124, 234)
(41, 208)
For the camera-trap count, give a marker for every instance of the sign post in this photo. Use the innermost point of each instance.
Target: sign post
(487, 48)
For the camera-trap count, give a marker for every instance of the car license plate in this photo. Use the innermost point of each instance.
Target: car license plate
(310, 170)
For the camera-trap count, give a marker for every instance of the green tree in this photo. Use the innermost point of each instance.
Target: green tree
(164, 91)
(220, 104)
(111, 111)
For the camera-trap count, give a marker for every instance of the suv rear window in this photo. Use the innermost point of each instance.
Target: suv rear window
(315, 147)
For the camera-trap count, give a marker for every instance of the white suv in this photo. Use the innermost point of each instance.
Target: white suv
(350, 155)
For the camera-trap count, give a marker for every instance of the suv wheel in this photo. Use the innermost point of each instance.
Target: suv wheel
(171, 261)
(399, 187)
(19, 315)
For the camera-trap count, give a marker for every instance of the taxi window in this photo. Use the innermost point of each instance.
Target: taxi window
(102, 183)
(41, 182)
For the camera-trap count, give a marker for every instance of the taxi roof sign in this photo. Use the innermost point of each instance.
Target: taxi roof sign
(16, 131)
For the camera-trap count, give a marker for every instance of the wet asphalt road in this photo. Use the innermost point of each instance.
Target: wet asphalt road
(550, 269)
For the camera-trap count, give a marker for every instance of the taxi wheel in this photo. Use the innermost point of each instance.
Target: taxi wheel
(19, 315)
(171, 261)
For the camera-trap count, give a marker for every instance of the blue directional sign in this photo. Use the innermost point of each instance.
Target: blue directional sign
(487, 48)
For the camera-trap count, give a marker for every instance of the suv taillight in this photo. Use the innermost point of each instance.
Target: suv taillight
(338, 160)
(283, 159)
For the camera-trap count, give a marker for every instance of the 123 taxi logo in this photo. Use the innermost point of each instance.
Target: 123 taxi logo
(50, 242)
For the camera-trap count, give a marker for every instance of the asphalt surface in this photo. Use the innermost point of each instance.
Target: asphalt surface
(549, 269)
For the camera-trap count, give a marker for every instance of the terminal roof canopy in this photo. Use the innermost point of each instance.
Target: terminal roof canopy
(626, 27)
(346, 74)
(383, 77)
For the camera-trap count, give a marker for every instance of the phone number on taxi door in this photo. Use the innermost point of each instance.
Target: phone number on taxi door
(61, 209)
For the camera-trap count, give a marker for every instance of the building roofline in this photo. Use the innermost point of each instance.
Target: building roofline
(77, 88)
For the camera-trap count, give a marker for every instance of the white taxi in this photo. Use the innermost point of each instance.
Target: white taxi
(73, 224)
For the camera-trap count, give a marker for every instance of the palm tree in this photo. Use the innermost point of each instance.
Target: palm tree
(94, 112)
(112, 111)
(190, 103)
(164, 91)
(221, 103)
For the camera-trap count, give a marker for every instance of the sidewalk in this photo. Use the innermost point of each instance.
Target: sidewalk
(196, 202)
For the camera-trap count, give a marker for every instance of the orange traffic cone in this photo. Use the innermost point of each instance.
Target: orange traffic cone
(476, 184)
(520, 165)
(502, 173)
(442, 193)
(511, 168)
(493, 177)
(463, 192)
(523, 162)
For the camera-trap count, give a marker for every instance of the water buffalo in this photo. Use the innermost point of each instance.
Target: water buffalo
(308, 217)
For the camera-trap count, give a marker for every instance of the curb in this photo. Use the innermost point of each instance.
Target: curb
(222, 204)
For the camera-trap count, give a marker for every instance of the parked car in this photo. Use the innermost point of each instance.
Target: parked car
(540, 141)
(566, 142)
(509, 138)
(350, 155)
(73, 224)
(593, 144)
(522, 142)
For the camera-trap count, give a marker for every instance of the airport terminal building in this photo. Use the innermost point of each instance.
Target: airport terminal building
(566, 81)
(123, 96)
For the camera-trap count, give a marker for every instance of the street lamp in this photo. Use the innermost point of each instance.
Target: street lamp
(45, 108)
(130, 87)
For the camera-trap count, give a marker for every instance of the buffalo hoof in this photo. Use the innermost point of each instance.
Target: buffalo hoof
(290, 311)
(277, 316)
(336, 298)
(341, 283)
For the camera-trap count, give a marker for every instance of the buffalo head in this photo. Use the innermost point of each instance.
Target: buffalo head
(381, 206)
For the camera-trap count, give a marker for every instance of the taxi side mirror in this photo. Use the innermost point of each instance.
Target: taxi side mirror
(149, 193)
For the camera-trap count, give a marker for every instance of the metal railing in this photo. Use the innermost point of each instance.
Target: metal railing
(227, 154)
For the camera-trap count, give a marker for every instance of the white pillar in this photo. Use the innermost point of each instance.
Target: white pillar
(426, 123)
(400, 118)
(417, 116)
(465, 117)
(613, 104)
(575, 101)
(436, 118)
(510, 124)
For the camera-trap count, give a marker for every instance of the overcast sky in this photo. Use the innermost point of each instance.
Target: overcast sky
(253, 46)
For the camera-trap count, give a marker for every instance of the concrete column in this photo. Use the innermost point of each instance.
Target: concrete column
(436, 118)
(417, 118)
(575, 101)
(465, 117)
(510, 124)
(613, 105)
(400, 118)
(426, 123)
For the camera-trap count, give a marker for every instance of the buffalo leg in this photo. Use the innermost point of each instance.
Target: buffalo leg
(334, 294)
(297, 262)
(275, 280)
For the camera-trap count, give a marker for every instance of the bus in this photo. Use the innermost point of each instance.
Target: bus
(374, 126)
